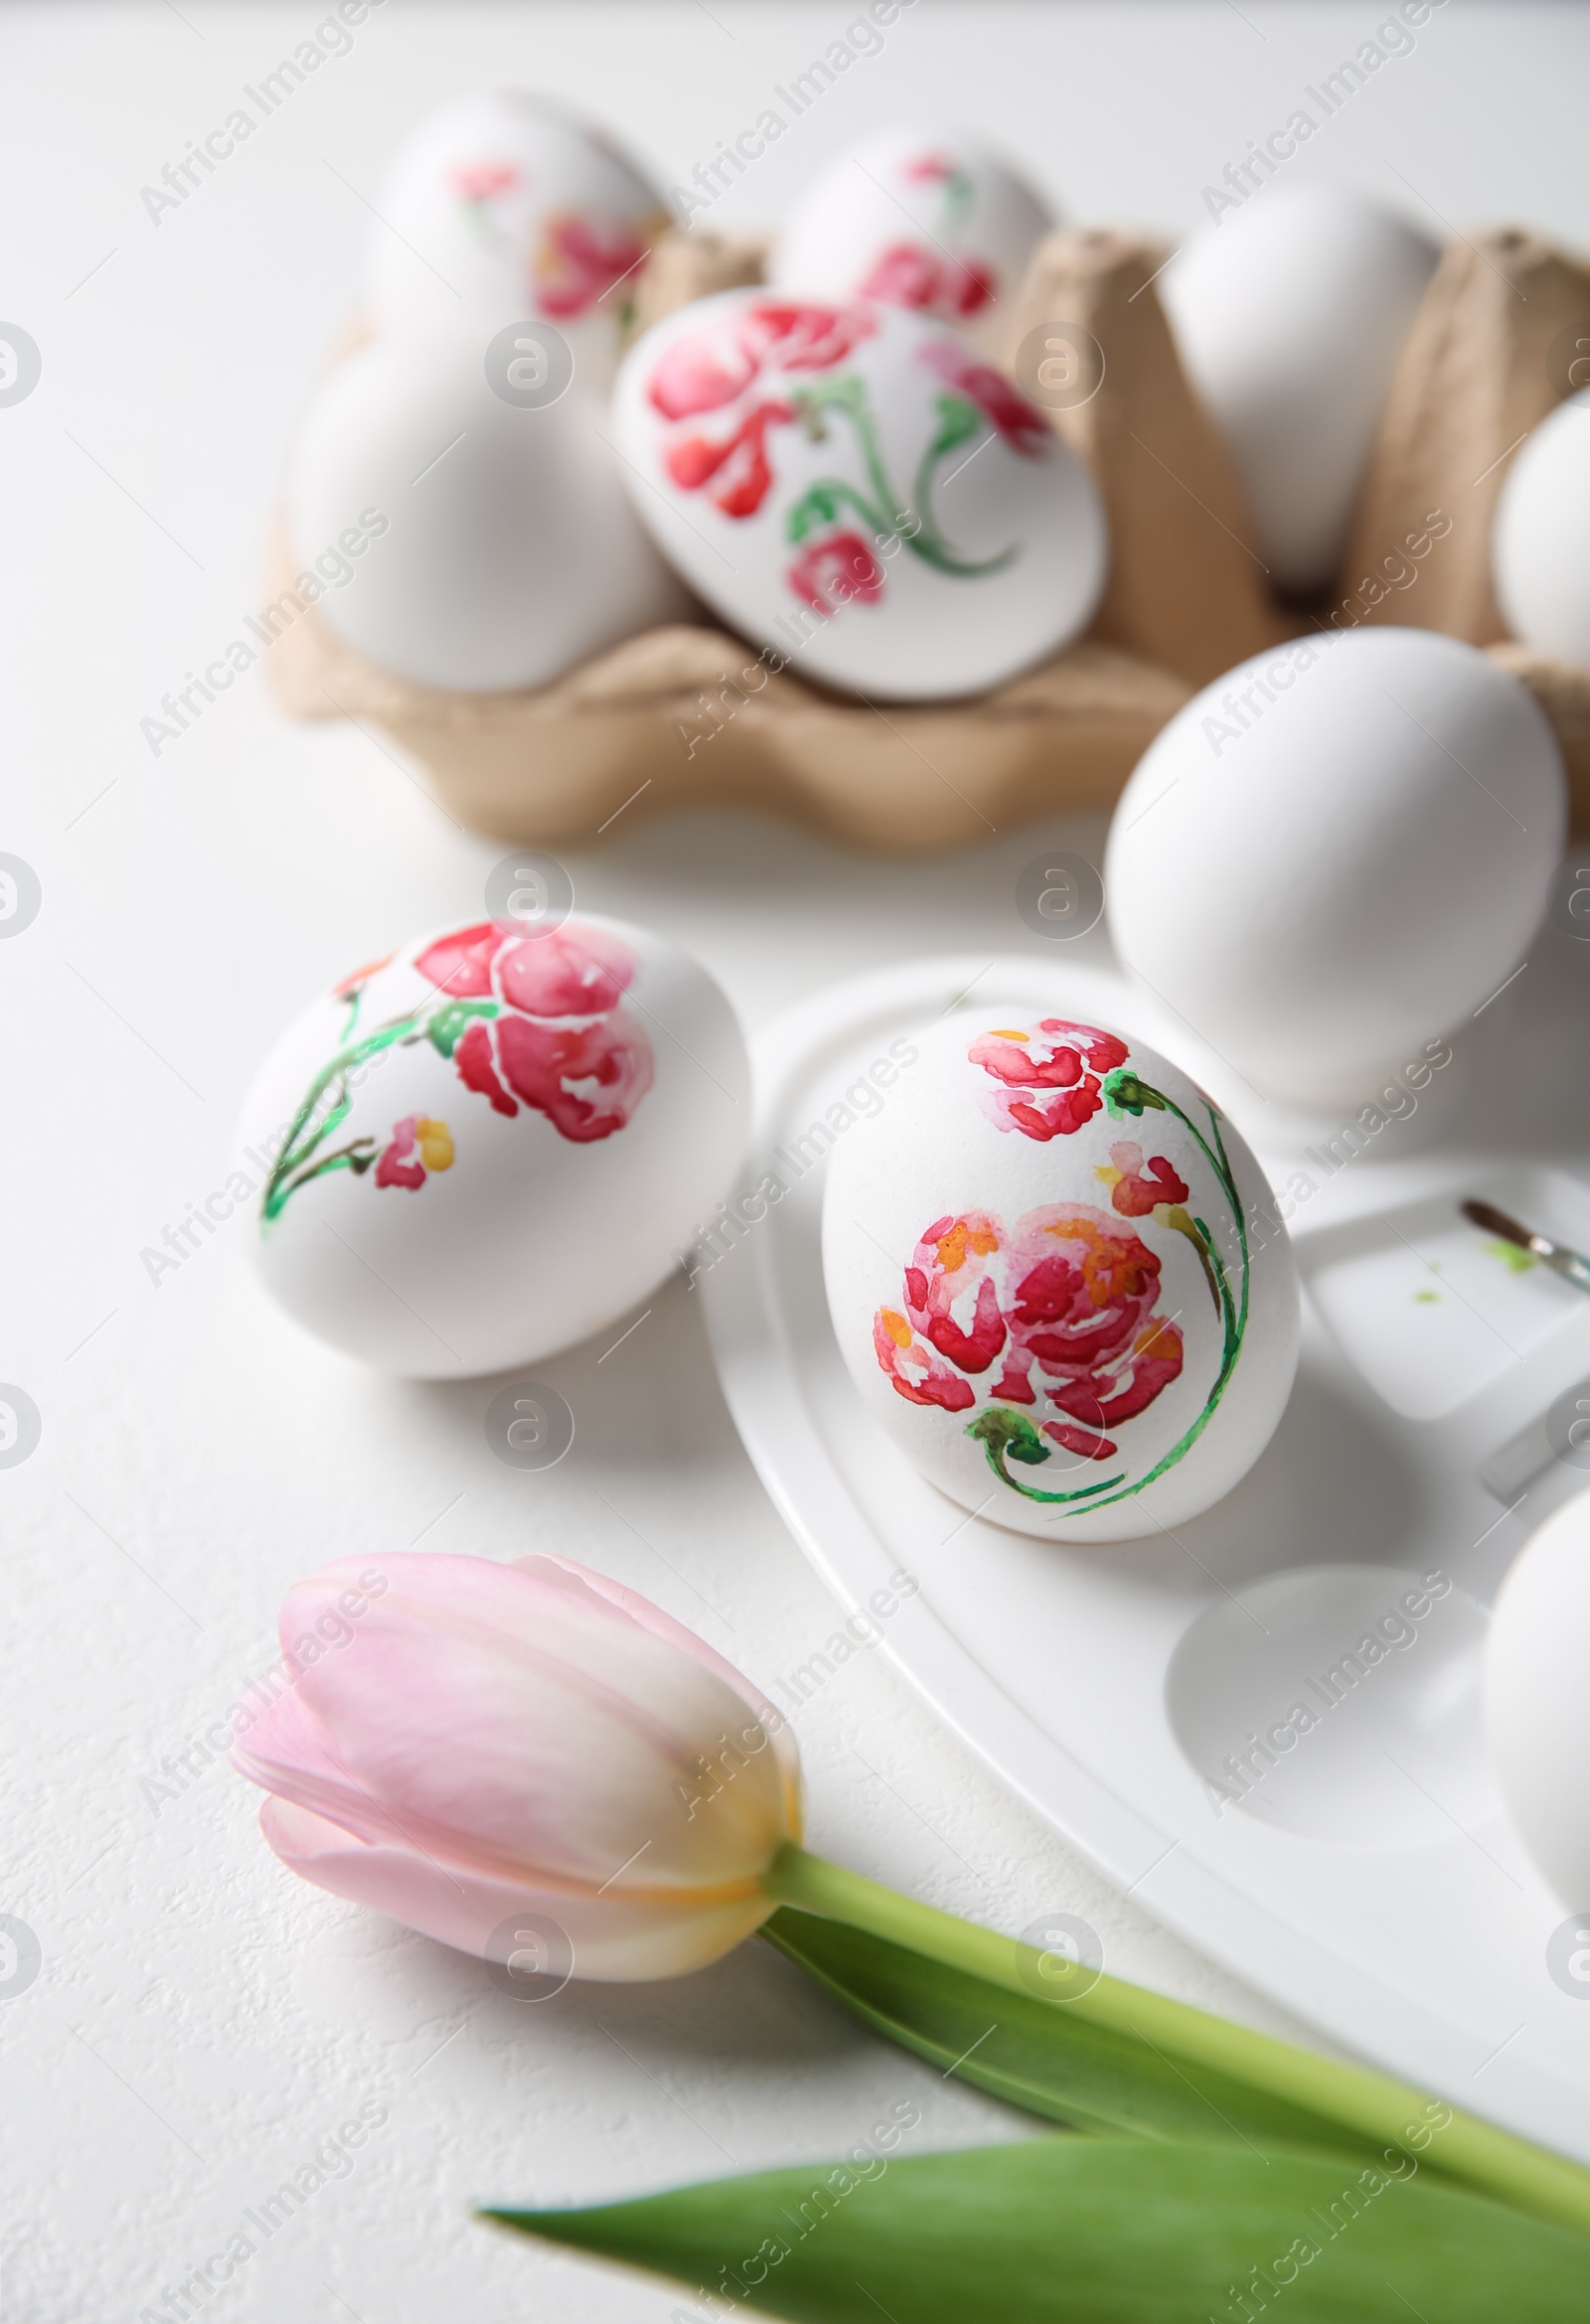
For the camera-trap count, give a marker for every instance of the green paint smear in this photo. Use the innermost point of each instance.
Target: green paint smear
(1515, 1260)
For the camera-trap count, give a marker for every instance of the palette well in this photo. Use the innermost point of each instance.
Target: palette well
(1430, 1309)
(1264, 1724)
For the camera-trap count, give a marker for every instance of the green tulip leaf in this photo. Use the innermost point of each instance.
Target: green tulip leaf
(1039, 2054)
(1083, 2231)
(1348, 2108)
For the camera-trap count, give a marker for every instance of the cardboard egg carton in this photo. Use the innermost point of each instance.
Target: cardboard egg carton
(687, 714)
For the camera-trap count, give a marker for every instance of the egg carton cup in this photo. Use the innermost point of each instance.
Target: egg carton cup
(687, 714)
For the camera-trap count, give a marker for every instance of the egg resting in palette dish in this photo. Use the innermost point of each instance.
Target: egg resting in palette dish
(501, 206)
(490, 1145)
(920, 215)
(1289, 317)
(1336, 851)
(490, 546)
(1536, 1672)
(1541, 542)
(1059, 1280)
(860, 493)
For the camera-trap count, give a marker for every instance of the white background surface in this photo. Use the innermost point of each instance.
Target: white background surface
(202, 2022)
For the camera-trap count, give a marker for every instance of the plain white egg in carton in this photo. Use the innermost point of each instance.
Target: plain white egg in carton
(1290, 317)
(511, 549)
(1543, 529)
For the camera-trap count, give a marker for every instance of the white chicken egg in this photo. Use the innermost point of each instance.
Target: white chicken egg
(858, 491)
(1337, 851)
(920, 215)
(1540, 545)
(500, 205)
(1536, 1669)
(1057, 1279)
(490, 1145)
(460, 540)
(1289, 317)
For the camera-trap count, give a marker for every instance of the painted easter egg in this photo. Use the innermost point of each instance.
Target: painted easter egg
(1290, 316)
(918, 216)
(488, 1147)
(495, 545)
(1540, 544)
(502, 205)
(858, 491)
(1059, 1280)
(1336, 852)
(1536, 1668)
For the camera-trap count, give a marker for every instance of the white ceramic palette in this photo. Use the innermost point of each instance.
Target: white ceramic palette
(1430, 1309)
(1368, 1878)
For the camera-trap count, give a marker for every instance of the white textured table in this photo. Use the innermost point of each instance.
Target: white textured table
(200, 2024)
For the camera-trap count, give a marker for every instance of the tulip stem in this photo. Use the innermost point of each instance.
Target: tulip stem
(1388, 2114)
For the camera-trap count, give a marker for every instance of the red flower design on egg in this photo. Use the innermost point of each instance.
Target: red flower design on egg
(483, 181)
(357, 979)
(1049, 1076)
(949, 1268)
(563, 1043)
(841, 570)
(1024, 427)
(789, 336)
(1083, 1321)
(906, 275)
(1133, 1191)
(533, 1020)
(917, 1373)
(582, 259)
(739, 463)
(707, 368)
(719, 364)
(418, 1147)
(1067, 1300)
(701, 372)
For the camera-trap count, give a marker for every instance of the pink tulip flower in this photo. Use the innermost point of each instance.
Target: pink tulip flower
(473, 1747)
(487, 1742)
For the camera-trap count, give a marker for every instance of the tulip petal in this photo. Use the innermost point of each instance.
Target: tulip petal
(628, 1941)
(531, 1735)
(663, 1625)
